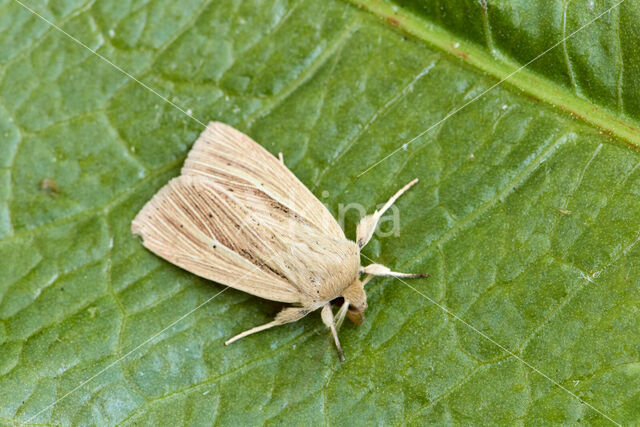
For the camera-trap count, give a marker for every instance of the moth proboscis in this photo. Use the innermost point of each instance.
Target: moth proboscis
(238, 216)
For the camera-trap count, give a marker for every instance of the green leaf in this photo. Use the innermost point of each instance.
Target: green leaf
(526, 215)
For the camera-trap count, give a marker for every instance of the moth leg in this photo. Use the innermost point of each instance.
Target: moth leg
(287, 315)
(281, 158)
(367, 225)
(381, 270)
(327, 319)
(340, 315)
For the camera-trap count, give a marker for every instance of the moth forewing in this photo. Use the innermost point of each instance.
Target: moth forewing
(238, 216)
(184, 224)
(232, 159)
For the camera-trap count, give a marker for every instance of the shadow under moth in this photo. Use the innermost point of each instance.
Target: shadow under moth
(238, 216)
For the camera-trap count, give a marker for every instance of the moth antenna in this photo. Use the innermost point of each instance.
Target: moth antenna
(366, 280)
(381, 270)
(399, 193)
(367, 225)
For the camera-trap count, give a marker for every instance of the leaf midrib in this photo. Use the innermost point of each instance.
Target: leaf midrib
(528, 83)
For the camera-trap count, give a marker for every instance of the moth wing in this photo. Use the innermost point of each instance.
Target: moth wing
(318, 264)
(230, 157)
(195, 224)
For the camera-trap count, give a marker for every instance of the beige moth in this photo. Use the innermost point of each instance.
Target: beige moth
(238, 216)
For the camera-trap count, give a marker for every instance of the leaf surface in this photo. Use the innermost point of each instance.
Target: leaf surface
(526, 214)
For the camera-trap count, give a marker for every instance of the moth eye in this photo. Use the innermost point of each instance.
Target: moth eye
(210, 215)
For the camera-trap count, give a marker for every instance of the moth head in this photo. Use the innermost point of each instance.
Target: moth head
(355, 296)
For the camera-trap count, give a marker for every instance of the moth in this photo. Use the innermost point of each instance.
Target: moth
(238, 216)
